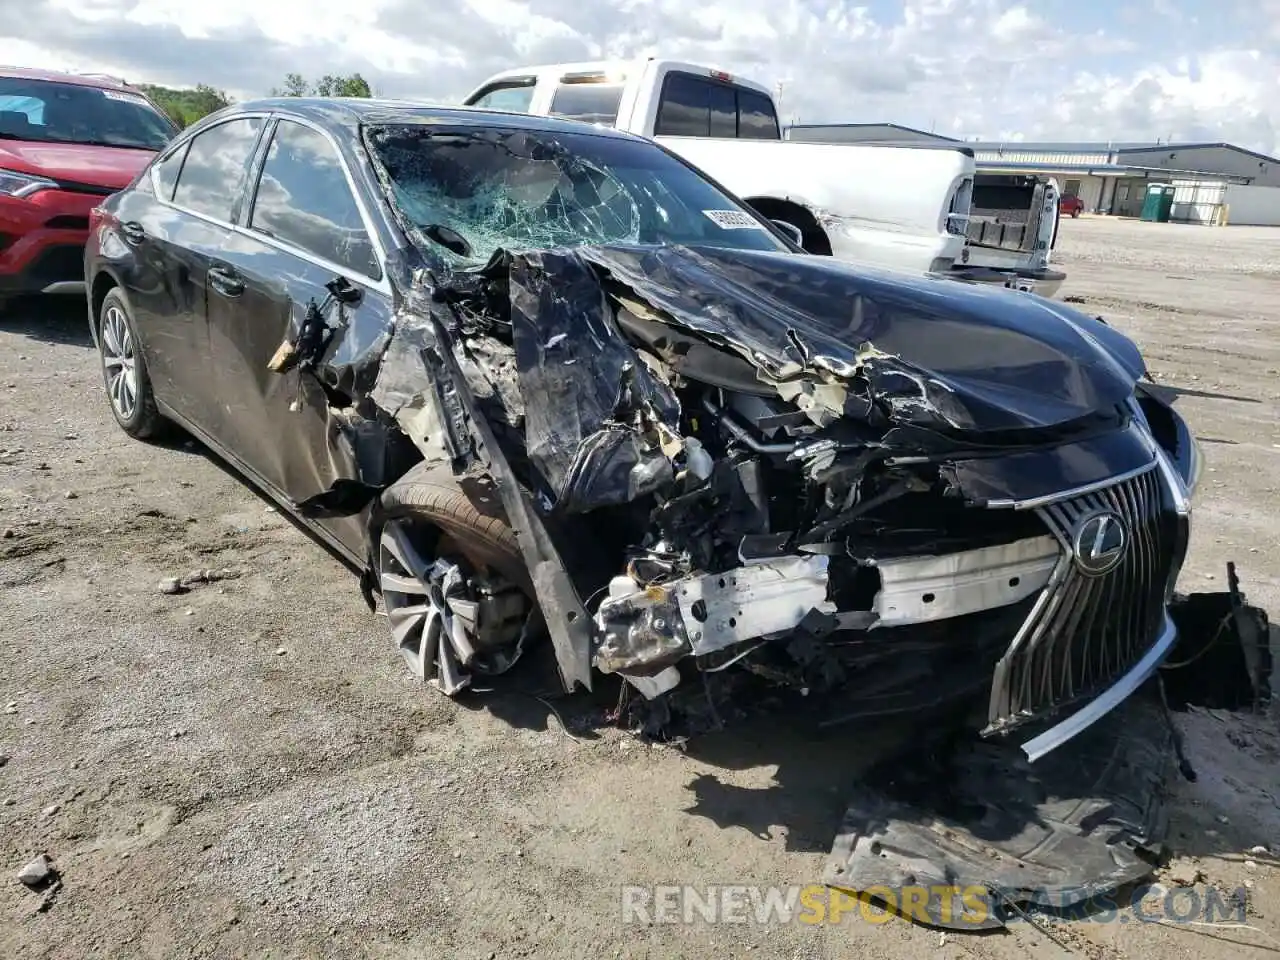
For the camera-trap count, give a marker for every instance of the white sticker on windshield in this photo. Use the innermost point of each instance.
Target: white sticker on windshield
(125, 97)
(733, 220)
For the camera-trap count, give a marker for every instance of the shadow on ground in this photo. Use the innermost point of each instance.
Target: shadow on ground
(52, 319)
(915, 805)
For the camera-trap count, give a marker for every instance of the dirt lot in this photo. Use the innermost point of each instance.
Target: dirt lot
(245, 769)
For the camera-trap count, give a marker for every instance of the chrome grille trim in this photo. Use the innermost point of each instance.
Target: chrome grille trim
(1052, 498)
(1105, 702)
(1085, 632)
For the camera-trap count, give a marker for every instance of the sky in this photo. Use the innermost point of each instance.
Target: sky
(988, 69)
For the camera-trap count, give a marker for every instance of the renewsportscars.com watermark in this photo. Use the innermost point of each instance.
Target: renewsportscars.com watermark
(817, 904)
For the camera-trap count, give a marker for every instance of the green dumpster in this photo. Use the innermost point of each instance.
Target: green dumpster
(1158, 203)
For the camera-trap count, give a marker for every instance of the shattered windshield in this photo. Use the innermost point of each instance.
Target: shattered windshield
(471, 192)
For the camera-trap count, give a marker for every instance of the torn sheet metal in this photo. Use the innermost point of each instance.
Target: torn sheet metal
(966, 841)
(923, 347)
(595, 417)
(423, 384)
(413, 388)
(886, 363)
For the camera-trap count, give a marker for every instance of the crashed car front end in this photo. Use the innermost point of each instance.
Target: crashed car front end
(895, 492)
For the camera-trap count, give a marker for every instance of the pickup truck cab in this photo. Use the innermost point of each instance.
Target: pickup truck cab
(896, 206)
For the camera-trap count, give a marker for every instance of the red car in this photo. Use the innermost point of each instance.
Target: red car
(66, 142)
(1071, 205)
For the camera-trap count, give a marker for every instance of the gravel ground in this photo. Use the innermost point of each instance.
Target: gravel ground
(245, 769)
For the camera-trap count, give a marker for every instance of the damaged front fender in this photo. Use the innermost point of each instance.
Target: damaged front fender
(423, 386)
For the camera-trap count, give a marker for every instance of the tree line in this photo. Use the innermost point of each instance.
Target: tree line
(185, 105)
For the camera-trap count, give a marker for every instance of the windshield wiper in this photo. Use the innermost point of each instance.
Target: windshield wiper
(108, 143)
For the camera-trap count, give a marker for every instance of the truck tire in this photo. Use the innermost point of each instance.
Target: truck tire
(815, 239)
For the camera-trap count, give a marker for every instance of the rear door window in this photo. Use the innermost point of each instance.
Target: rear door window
(685, 108)
(699, 107)
(304, 199)
(590, 102)
(757, 118)
(213, 175)
(165, 174)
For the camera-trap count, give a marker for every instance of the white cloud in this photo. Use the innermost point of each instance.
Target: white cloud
(1053, 69)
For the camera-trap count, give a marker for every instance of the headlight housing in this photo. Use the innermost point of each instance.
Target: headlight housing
(1195, 464)
(14, 184)
(1177, 449)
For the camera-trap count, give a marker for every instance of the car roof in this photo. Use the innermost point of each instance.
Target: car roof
(353, 111)
(97, 80)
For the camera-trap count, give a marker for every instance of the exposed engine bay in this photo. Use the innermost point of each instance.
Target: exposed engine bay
(722, 463)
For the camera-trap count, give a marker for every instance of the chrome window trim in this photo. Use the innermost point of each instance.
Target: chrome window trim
(382, 285)
(184, 144)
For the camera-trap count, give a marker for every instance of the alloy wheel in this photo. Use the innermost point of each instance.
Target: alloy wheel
(119, 362)
(441, 625)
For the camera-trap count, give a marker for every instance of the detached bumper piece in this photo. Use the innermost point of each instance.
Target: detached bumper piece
(969, 842)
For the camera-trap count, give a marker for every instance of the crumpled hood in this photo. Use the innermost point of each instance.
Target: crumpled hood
(935, 352)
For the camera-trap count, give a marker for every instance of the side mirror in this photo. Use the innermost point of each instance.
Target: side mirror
(791, 230)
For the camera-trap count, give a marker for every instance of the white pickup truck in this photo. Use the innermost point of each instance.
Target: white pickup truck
(901, 207)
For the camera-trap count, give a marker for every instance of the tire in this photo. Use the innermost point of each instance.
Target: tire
(454, 586)
(125, 369)
(472, 520)
(1075, 214)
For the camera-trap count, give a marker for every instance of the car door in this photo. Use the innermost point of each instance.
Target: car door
(302, 229)
(176, 222)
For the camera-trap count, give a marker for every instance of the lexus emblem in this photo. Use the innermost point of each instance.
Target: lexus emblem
(1099, 542)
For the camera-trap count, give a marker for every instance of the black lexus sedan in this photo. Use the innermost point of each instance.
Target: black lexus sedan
(548, 387)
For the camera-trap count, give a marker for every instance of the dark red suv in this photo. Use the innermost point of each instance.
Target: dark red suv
(66, 141)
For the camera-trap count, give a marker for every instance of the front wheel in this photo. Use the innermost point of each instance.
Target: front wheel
(124, 371)
(453, 581)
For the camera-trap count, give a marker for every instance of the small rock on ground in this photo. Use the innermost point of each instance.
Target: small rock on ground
(36, 872)
(1184, 873)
